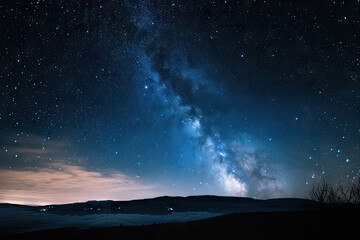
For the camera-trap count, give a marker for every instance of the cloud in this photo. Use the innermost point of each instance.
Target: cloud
(64, 183)
(33, 150)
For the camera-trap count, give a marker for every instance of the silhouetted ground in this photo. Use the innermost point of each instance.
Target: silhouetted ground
(323, 223)
(15, 219)
(161, 206)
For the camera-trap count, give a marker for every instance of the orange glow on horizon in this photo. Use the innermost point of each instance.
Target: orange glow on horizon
(66, 184)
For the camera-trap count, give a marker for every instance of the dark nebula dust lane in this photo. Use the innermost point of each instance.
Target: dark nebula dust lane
(133, 99)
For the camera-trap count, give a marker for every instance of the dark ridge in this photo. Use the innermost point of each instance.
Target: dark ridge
(167, 205)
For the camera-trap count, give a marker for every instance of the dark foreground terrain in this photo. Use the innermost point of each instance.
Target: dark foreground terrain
(320, 222)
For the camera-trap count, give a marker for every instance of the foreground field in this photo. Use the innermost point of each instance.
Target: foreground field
(225, 218)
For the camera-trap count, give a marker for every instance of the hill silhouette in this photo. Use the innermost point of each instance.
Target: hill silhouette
(180, 217)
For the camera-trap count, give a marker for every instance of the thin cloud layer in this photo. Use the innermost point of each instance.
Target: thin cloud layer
(65, 183)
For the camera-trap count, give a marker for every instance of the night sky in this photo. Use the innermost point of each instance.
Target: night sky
(134, 99)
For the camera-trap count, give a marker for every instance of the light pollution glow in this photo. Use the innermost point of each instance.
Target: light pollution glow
(65, 183)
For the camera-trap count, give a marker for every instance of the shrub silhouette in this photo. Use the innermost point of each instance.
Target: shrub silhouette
(325, 193)
(356, 192)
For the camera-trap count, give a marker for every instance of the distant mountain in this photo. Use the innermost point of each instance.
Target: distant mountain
(167, 205)
(197, 217)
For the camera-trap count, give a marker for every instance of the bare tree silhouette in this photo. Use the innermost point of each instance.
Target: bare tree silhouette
(325, 193)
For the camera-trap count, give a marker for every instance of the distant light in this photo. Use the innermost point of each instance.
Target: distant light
(146, 86)
(323, 172)
(296, 118)
(306, 183)
(270, 139)
(347, 160)
(242, 55)
(338, 150)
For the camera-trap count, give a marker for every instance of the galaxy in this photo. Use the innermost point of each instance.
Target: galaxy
(134, 99)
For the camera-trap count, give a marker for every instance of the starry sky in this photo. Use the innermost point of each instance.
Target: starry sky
(134, 99)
